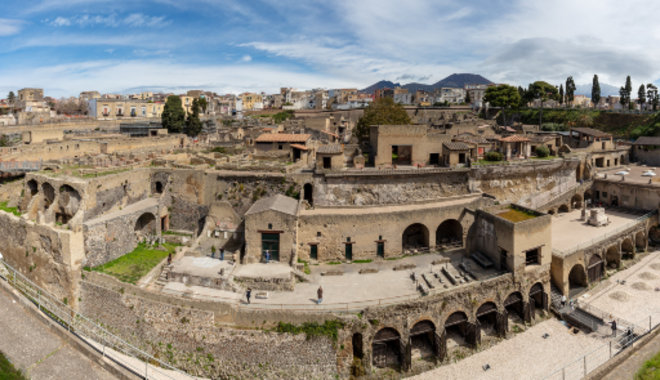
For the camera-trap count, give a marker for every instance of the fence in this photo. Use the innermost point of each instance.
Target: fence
(604, 237)
(90, 332)
(581, 367)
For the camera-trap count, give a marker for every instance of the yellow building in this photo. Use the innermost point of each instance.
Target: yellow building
(115, 109)
(252, 101)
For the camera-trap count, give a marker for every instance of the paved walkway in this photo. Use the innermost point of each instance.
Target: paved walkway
(630, 366)
(31, 346)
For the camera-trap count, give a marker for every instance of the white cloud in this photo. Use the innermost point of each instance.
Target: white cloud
(246, 58)
(61, 21)
(133, 20)
(10, 27)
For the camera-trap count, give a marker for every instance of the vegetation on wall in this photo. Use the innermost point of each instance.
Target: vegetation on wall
(133, 266)
(380, 112)
(312, 329)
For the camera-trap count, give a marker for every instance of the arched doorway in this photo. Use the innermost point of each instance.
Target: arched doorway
(49, 194)
(576, 201)
(551, 212)
(33, 187)
(577, 280)
(514, 307)
(422, 340)
(308, 193)
(146, 224)
(538, 299)
(627, 249)
(562, 209)
(415, 236)
(613, 257)
(386, 348)
(449, 232)
(487, 318)
(159, 187)
(595, 268)
(456, 330)
(587, 197)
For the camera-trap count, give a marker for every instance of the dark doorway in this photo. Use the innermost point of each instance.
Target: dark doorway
(415, 236)
(308, 193)
(456, 329)
(514, 306)
(314, 252)
(434, 159)
(402, 154)
(461, 158)
(577, 280)
(422, 340)
(449, 232)
(348, 250)
(327, 163)
(537, 297)
(380, 249)
(386, 348)
(296, 154)
(270, 243)
(159, 187)
(358, 350)
(487, 317)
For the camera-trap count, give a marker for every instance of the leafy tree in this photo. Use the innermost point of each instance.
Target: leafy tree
(595, 91)
(570, 90)
(652, 95)
(193, 124)
(503, 96)
(173, 117)
(11, 97)
(493, 156)
(641, 96)
(561, 94)
(203, 104)
(628, 88)
(543, 91)
(382, 111)
(542, 151)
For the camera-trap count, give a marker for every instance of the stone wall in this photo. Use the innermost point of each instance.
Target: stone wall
(193, 339)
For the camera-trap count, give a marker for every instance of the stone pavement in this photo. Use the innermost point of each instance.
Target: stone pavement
(630, 366)
(40, 353)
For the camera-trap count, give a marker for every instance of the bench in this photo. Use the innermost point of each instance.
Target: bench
(482, 259)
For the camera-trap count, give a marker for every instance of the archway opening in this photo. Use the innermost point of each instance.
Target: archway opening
(69, 203)
(576, 201)
(422, 340)
(551, 212)
(595, 268)
(358, 351)
(654, 235)
(627, 249)
(562, 209)
(308, 193)
(386, 349)
(514, 307)
(33, 187)
(146, 224)
(449, 232)
(416, 236)
(587, 197)
(537, 298)
(613, 257)
(456, 330)
(487, 317)
(159, 187)
(49, 194)
(577, 280)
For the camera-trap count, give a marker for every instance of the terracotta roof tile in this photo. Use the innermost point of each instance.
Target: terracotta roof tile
(283, 137)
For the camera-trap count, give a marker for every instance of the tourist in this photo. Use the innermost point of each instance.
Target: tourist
(222, 254)
(267, 254)
(613, 323)
(319, 294)
(563, 301)
(169, 259)
(248, 294)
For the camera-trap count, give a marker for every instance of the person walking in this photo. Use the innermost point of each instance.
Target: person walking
(222, 254)
(319, 295)
(613, 323)
(169, 259)
(563, 301)
(248, 294)
(267, 256)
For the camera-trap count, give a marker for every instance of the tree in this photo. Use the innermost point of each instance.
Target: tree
(652, 95)
(382, 111)
(11, 97)
(173, 117)
(570, 90)
(641, 96)
(543, 91)
(542, 151)
(502, 96)
(203, 104)
(628, 89)
(595, 91)
(561, 94)
(193, 124)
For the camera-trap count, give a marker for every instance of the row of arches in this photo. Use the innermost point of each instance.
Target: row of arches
(63, 202)
(575, 203)
(449, 232)
(430, 341)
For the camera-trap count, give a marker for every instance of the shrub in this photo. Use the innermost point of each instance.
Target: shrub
(493, 156)
(542, 151)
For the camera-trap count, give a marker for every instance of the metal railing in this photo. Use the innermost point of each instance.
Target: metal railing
(90, 332)
(604, 237)
(585, 364)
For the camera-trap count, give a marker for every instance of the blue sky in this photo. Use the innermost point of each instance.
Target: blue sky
(67, 46)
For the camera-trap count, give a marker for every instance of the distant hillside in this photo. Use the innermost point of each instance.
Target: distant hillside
(452, 81)
(605, 90)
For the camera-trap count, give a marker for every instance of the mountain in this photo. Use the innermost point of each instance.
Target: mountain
(452, 81)
(605, 90)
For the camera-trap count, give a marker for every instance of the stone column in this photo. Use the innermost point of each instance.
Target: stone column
(502, 323)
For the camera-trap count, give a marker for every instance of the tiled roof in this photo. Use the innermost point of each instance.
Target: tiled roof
(514, 138)
(283, 137)
(330, 149)
(298, 146)
(591, 132)
(454, 145)
(647, 140)
(277, 202)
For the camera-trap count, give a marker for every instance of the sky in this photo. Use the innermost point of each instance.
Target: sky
(232, 46)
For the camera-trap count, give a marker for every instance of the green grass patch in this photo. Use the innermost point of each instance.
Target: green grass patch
(365, 261)
(544, 158)
(7, 370)
(107, 172)
(334, 263)
(133, 266)
(306, 269)
(175, 233)
(11, 210)
(650, 370)
(515, 215)
(486, 162)
(312, 329)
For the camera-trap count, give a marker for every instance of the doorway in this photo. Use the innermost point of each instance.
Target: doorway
(271, 243)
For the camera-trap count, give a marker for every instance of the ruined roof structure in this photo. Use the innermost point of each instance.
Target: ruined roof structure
(514, 138)
(277, 202)
(283, 138)
(591, 132)
(647, 140)
(330, 149)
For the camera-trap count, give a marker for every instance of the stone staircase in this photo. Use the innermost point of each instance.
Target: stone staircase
(582, 318)
(164, 276)
(555, 298)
